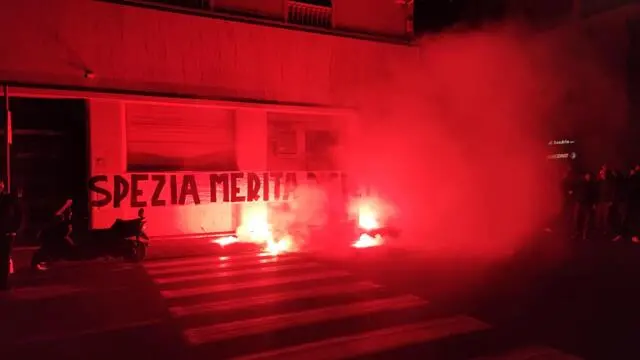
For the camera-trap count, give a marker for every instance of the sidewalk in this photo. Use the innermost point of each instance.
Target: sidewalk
(83, 311)
(159, 248)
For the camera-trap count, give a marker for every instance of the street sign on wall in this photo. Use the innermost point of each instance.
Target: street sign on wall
(562, 149)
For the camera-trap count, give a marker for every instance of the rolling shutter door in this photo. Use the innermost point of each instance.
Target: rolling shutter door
(180, 138)
(169, 139)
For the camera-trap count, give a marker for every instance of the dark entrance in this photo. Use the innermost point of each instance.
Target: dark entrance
(49, 160)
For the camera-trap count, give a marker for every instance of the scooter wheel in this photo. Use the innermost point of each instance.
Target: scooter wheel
(141, 252)
(137, 253)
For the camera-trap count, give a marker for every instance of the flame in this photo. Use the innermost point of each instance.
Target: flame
(224, 241)
(276, 247)
(258, 230)
(367, 218)
(366, 241)
(371, 212)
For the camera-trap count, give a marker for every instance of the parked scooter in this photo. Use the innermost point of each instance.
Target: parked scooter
(125, 239)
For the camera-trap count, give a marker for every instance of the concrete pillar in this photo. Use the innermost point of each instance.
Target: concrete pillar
(107, 137)
(251, 139)
(107, 151)
(251, 155)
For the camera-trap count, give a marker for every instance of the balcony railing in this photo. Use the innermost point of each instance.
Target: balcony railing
(298, 14)
(310, 15)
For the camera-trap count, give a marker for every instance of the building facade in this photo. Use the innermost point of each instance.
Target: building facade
(182, 92)
(177, 97)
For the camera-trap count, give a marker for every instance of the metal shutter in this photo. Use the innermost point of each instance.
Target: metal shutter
(179, 138)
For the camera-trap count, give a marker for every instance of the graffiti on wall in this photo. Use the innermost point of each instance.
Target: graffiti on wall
(161, 189)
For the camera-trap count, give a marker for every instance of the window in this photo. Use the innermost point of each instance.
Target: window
(320, 149)
(286, 143)
(300, 142)
(283, 138)
(320, 142)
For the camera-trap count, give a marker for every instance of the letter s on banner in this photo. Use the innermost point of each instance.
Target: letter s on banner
(95, 187)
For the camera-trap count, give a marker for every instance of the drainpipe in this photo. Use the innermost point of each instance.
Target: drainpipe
(8, 138)
(409, 24)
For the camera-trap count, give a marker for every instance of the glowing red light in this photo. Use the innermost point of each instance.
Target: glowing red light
(371, 212)
(224, 241)
(277, 247)
(367, 241)
(257, 229)
(367, 218)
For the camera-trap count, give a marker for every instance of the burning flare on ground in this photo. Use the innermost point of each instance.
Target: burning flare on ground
(227, 240)
(367, 241)
(368, 218)
(282, 245)
(370, 213)
(258, 230)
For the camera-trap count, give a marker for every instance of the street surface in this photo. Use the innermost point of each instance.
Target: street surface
(382, 306)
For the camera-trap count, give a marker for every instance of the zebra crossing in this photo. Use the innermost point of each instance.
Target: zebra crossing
(259, 306)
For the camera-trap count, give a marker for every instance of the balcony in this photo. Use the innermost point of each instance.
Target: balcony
(302, 13)
(376, 20)
(307, 13)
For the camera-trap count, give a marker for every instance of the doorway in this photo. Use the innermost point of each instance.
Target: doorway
(49, 161)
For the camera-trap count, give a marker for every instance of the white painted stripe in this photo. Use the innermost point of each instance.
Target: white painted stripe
(156, 264)
(533, 353)
(372, 342)
(209, 259)
(201, 290)
(265, 324)
(216, 264)
(61, 335)
(235, 304)
(230, 274)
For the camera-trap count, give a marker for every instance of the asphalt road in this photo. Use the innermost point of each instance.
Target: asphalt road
(577, 302)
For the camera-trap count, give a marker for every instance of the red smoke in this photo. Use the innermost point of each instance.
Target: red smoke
(457, 142)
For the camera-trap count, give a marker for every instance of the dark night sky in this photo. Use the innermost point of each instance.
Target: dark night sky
(438, 15)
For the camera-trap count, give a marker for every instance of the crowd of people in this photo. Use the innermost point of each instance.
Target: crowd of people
(605, 205)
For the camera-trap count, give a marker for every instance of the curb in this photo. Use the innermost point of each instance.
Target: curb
(170, 240)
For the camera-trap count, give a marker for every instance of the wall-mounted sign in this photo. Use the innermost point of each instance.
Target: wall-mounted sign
(143, 190)
(569, 156)
(561, 142)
